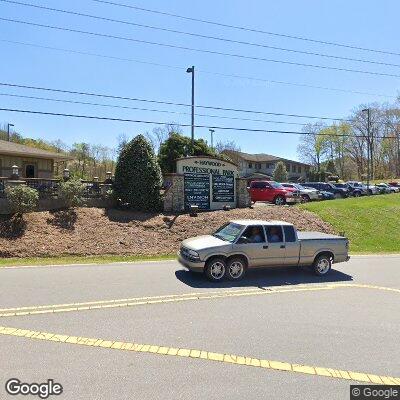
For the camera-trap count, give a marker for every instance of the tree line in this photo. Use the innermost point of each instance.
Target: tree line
(94, 160)
(343, 148)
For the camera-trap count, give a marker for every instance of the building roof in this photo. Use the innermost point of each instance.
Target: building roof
(260, 157)
(256, 175)
(16, 149)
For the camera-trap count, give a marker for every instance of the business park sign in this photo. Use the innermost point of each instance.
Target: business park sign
(209, 183)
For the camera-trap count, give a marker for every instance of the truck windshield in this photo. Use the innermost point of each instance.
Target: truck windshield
(228, 232)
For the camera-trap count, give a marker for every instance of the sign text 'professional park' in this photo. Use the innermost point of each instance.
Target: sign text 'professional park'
(209, 183)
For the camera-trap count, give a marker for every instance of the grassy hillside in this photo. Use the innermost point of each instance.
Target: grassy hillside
(371, 223)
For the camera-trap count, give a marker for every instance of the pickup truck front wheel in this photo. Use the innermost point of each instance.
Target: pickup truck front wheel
(322, 264)
(279, 200)
(215, 269)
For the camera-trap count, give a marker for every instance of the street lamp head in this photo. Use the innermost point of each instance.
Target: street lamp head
(190, 70)
(365, 110)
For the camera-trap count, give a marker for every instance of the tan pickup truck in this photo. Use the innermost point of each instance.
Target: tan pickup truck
(244, 244)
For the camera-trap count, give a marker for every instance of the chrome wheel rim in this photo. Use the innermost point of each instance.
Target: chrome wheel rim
(279, 201)
(323, 266)
(217, 270)
(236, 269)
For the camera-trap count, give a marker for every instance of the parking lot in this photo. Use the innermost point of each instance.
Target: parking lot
(154, 330)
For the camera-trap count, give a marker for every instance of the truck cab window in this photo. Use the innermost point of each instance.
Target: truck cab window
(274, 234)
(290, 235)
(253, 234)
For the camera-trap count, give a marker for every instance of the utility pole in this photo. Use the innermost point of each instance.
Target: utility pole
(369, 148)
(191, 71)
(212, 137)
(8, 131)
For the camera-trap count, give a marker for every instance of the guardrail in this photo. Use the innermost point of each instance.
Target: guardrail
(46, 187)
(93, 189)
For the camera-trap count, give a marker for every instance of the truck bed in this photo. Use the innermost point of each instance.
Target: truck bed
(317, 235)
(312, 243)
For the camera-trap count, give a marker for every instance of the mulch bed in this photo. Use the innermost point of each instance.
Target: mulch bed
(94, 231)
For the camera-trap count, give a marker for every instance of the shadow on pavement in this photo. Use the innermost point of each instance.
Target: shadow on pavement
(264, 278)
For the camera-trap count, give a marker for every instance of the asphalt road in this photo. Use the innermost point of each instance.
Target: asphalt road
(296, 327)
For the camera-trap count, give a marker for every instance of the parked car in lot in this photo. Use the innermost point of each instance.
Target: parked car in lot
(339, 193)
(307, 194)
(385, 188)
(351, 190)
(273, 192)
(326, 195)
(246, 244)
(370, 189)
(356, 189)
(395, 185)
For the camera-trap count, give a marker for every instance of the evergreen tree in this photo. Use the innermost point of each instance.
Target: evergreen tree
(280, 173)
(138, 177)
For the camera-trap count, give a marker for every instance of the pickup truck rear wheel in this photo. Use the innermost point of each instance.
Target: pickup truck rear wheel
(279, 200)
(235, 268)
(215, 269)
(322, 264)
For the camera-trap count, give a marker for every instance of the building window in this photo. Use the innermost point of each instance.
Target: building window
(288, 167)
(258, 166)
(299, 169)
(250, 165)
(293, 168)
(29, 171)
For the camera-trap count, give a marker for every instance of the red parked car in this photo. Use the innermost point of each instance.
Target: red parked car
(273, 192)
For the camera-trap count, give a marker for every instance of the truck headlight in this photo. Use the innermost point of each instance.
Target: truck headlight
(193, 254)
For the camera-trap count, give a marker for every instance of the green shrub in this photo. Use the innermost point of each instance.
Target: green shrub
(22, 199)
(138, 177)
(71, 193)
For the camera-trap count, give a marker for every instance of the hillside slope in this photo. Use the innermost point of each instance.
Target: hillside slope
(93, 231)
(371, 223)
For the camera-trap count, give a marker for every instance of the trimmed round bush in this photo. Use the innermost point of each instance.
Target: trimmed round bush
(22, 199)
(138, 177)
(71, 193)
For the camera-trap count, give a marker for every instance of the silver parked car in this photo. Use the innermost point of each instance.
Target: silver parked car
(307, 194)
(243, 244)
(385, 188)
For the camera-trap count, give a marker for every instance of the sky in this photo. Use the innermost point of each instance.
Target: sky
(367, 23)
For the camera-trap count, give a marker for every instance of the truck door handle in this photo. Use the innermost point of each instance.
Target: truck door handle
(265, 247)
(282, 246)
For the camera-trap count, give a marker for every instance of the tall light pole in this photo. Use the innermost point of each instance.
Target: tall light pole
(367, 110)
(191, 71)
(8, 131)
(212, 137)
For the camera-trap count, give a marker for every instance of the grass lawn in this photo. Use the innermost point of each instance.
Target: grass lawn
(6, 262)
(372, 224)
